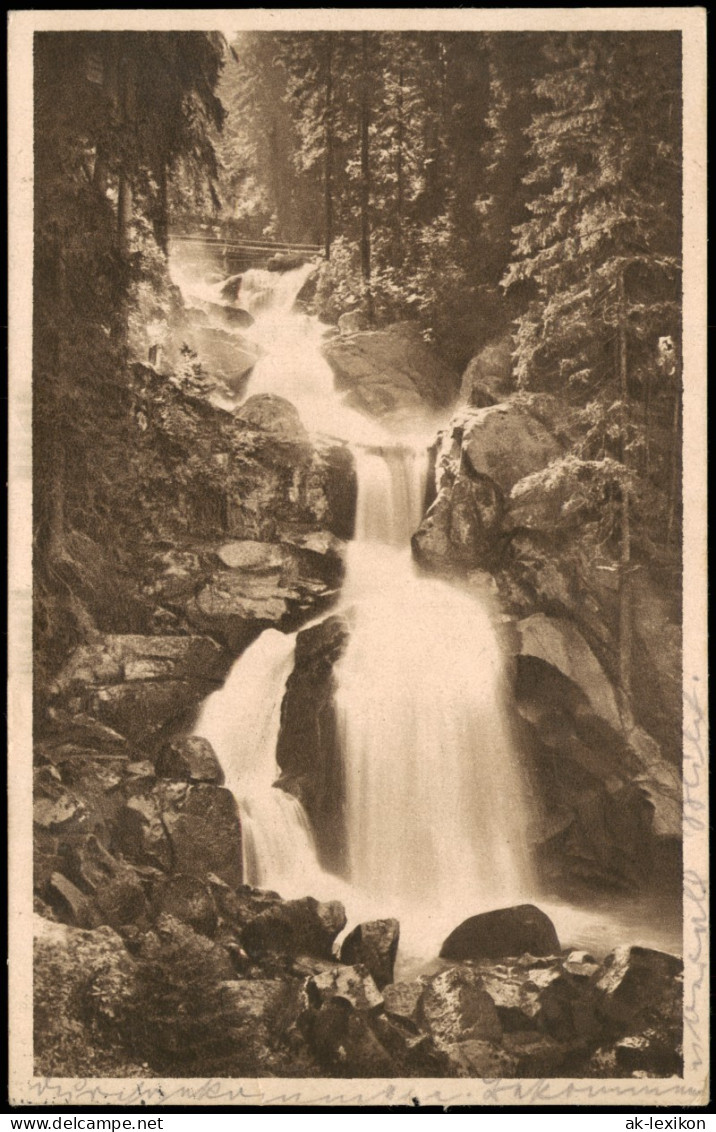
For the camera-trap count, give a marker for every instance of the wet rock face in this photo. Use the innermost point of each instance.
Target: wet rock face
(504, 932)
(308, 751)
(559, 643)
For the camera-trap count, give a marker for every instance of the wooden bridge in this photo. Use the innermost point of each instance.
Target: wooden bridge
(234, 255)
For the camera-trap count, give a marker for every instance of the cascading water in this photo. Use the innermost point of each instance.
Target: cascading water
(242, 722)
(435, 809)
(435, 815)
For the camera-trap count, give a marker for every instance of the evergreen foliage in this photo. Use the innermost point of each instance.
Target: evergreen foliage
(115, 115)
(475, 183)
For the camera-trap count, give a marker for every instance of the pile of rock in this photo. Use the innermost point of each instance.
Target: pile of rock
(281, 1004)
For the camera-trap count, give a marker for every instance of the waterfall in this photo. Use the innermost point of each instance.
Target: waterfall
(435, 808)
(242, 722)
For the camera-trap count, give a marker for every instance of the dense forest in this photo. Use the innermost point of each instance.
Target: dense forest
(500, 219)
(479, 184)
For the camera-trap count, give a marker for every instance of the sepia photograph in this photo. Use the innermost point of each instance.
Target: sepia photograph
(357, 557)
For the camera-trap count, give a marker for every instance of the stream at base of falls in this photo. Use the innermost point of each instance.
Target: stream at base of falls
(437, 813)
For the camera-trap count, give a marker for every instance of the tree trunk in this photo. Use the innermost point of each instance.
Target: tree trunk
(124, 213)
(328, 150)
(125, 192)
(622, 362)
(625, 616)
(675, 464)
(432, 128)
(100, 176)
(400, 132)
(161, 222)
(625, 619)
(647, 423)
(56, 521)
(365, 175)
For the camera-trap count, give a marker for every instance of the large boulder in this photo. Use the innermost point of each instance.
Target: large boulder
(503, 932)
(401, 1001)
(351, 1036)
(267, 412)
(390, 373)
(455, 1007)
(190, 829)
(227, 314)
(308, 751)
(225, 354)
(375, 945)
(257, 1019)
(279, 478)
(295, 927)
(504, 441)
(475, 1058)
(190, 759)
(140, 685)
(488, 376)
(640, 1001)
(639, 986)
(266, 584)
(83, 983)
(558, 642)
(353, 985)
(345, 1043)
(236, 606)
(461, 528)
(172, 940)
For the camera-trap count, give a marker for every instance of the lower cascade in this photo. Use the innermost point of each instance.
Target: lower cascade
(435, 810)
(242, 722)
(435, 814)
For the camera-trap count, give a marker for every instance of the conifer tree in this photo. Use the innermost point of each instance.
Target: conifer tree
(598, 261)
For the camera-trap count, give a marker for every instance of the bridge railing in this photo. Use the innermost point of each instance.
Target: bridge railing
(244, 246)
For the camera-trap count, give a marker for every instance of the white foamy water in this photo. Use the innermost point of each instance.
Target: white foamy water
(436, 811)
(242, 722)
(435, 808)
(435, 816)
